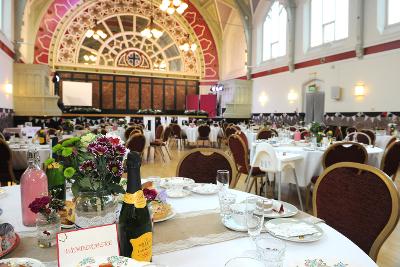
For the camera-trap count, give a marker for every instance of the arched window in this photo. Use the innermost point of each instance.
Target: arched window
(393, 12)
(329, 21)
(274, 32)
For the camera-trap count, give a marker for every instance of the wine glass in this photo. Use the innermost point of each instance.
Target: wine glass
(254, 216)
(223, 179)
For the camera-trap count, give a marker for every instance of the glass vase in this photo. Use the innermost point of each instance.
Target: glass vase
(95, 209)
(47, 228)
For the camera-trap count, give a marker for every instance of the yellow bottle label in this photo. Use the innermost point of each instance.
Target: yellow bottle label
(136, 199)
(41, 140)
(142, 247)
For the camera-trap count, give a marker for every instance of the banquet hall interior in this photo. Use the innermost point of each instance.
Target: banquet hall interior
(199, 133)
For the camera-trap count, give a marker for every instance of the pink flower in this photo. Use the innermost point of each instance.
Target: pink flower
(39, 204)
(114, 141)
(150, 194)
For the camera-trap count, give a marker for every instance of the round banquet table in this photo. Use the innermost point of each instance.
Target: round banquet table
(311, 164)
(192, 133)
(333, 245)
(19, 156)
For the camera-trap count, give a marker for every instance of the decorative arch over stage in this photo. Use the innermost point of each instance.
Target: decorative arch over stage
(61, 40)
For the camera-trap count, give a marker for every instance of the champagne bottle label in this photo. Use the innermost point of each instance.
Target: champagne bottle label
(142, 247)
(136, 199)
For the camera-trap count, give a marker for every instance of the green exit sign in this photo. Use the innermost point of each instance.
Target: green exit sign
(311, 88)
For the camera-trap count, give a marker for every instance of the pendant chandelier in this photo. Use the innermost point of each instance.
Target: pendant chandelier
(151, 30)
(187, 45)
(96, 33)
(170, 6)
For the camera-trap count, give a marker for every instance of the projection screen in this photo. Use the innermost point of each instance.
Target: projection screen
(77, 93)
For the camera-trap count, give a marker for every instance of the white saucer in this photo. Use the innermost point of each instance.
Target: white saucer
(177, 194)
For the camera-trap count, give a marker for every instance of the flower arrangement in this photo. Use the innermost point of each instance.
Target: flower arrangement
(152, 195)
(316, 128)
(92, 163)
(47, 206)
(68, 126)
(42, 137)
(149, 111)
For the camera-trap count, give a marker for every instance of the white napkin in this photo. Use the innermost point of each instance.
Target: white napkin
(292, 229)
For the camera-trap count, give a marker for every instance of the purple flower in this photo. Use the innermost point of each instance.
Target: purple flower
(119, 150)
(102, 140)
(115, 168)
(162, 196)
(98, 149)
(87, 166)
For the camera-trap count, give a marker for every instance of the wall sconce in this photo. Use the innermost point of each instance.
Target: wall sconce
(9, 88)
(359, 90)
(292, 96)
(263, 98)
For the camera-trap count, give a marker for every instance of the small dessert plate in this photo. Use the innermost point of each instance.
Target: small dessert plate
(22, 262)
(172, 193)
(204, 189)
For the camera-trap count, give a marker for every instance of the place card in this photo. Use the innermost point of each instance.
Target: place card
(73, 246)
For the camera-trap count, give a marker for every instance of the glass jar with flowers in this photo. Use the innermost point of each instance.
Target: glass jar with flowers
(94, 166)
(317, 132)
(48, 221)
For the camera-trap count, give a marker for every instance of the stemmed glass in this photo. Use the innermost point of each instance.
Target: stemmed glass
(254, 216)
(223, 179)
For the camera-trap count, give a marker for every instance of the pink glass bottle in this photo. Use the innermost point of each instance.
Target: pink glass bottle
(297, 135)
(33, 185)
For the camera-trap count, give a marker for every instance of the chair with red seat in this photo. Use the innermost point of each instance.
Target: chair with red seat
(158, 144)
(204, 133)
(359, 201)
(339, 152)
(240, 156)
(391, 160)
(265, 134)
(202, 164)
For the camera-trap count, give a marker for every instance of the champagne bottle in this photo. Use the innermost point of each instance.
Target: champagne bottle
(135, 227)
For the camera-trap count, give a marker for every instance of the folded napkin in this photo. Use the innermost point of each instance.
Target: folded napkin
(291, 229)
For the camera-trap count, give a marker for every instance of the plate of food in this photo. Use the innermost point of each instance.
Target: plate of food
(204, 189)
(162, 211)
(9, 240)
(176, 181)
(294, 230)
(279, 209)
(112, 261)
(21, 262)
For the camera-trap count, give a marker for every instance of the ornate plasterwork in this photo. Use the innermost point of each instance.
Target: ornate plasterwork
(63, 31)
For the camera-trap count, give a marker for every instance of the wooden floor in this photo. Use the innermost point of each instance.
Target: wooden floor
(389, 255)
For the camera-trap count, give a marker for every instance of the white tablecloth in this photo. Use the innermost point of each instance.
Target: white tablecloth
(311, 164)
(382, 140)
(192, 133)
(332, 246)
(19, 156)
(251, 136)
(29, 131)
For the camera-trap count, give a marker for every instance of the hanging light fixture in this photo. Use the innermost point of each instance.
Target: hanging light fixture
(90, 58)
(96, 33)
(151, 30)
(187, 45)
(170, 6)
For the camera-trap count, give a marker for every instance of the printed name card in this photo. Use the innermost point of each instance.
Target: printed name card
(74, 246)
